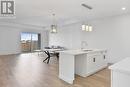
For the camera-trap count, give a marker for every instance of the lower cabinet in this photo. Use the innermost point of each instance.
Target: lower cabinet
(95, 62)
(89, 63)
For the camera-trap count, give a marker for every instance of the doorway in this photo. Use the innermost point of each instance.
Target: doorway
(30, 41)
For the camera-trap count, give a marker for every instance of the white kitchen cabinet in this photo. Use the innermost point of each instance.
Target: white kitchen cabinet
(90, 63)
(95, 62)
(80, 62)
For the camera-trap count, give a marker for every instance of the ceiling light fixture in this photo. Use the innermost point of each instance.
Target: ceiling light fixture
(90, 28)
(87, 27)
(53, 26)
(83, 27)
(123, 8)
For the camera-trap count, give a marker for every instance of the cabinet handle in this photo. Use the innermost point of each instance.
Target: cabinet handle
(104, 57)
(94, 60)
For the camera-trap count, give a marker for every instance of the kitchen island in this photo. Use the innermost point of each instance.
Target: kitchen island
(81, 62)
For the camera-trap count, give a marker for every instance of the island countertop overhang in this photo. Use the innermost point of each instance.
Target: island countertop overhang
(83, 51)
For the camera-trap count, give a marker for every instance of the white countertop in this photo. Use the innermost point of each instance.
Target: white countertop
(77, 52)
(122, 66)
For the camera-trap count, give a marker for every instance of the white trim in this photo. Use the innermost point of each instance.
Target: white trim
(91, 73)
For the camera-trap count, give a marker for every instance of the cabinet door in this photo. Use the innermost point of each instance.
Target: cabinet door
(104, 60)
(101, 61)
(91, 64)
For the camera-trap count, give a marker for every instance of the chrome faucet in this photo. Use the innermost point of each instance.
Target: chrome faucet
(83, 45)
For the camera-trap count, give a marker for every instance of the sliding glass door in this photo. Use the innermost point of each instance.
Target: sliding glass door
(30, 41)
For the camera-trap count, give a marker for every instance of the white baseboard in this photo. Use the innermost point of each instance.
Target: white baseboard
(91, 73)
(68, 80)
(10, 53)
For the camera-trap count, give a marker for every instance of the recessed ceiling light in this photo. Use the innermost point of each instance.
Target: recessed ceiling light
(123, 8)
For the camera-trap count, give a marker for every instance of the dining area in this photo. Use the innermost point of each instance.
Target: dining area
(52, 51)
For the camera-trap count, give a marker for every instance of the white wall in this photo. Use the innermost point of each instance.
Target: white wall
(66, 37)
(10, 38)
(111, 33)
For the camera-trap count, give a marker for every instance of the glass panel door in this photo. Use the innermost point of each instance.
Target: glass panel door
(26, 42)
(34, 44)
(30, 41)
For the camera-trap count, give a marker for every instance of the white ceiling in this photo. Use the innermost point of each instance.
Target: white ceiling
(39, 12)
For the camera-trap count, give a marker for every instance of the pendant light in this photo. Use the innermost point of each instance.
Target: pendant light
(83, 27)
(53, 26)
(87, 28)
(90, 28)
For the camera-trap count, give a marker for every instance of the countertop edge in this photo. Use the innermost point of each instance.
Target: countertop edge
(121, 66)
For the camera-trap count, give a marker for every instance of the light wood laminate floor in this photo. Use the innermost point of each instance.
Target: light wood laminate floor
(28, 70)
